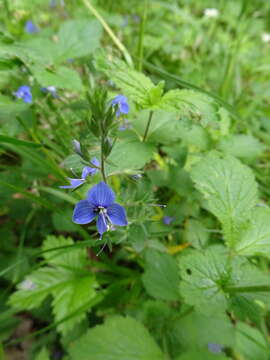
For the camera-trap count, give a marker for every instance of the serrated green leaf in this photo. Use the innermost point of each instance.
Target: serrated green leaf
(196, 331)
(66, 279)
(256, 239)
(190, 103)
(209, 278)
(161, 276)
(129, 155)
(118, 339)
(66, 257)
(242, 146)
(230, 190)
(62, 77)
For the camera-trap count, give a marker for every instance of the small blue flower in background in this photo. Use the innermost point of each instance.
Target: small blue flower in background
(77, 147)
(125, 125)
(51, 90)
(87, 171)
(100, 203)
(122, 105)
(24, 92)
(30, 27)
(215, 348)
(168, 219)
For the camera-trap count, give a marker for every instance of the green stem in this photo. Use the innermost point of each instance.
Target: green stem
(109, 31)
(7, 9)
(102, 167)
(141, 36)
(147, 126)
(239, 289)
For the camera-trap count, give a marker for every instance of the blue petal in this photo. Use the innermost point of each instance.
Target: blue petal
(74, 183)
(101, 195)
(87, 170)
(95, 162)
(117, 214)
(101, 224)
(124, 108)
(118, 99)
(83, 213)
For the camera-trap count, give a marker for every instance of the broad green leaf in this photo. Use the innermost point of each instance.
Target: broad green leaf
(202, 354)
(77, 38)
(196, 234)
(209, 278)
(67, 257)
(66, 279)
(245, 147)
(161, 276)
(118, 339)
(256, 239)
(203, 277)
(128, 155)
(230, 191)
(250, 343)
(62, 77)
(190, 103)
(196, 331)
(133, 84)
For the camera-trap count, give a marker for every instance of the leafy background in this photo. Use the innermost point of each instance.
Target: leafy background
(196, 288)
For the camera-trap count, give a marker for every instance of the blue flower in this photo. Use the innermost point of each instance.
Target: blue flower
(87, 171)
(100, 203)
(168, 219)
(51, 90)
(215, 348)
(30, 27)
(122, 105)
(24, 92)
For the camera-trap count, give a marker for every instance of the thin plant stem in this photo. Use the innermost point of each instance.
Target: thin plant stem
(109, 31)
(141, 37)
(148, 126)
(102, 167)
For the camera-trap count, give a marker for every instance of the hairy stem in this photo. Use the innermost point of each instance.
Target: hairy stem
(147, 126)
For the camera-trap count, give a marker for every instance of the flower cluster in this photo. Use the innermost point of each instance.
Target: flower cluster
(100, 202)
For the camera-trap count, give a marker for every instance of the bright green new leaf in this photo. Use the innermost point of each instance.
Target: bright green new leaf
(161, 276)
(230, 190)
(256, 239)
(118, 339)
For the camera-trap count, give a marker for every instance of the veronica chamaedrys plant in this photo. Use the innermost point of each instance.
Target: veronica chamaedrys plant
(87, 171)
(24, 92)
(100, 203)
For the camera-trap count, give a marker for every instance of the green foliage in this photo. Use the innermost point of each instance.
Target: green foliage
(209, 278)
(230, 191)
(119, 338)
(64, 277)
(160, 278)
